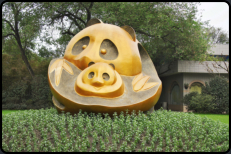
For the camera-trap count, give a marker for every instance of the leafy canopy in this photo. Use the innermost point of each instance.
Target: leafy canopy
(169, 31)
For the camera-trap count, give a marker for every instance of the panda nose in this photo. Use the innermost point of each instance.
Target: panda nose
(97, 81)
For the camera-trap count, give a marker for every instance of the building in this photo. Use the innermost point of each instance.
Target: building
(191, 73)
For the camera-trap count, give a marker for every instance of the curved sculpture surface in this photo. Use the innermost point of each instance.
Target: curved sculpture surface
(104, 69)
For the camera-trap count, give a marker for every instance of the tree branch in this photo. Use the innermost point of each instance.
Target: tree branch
(25, 44)
(142, 32)
(76, 17)
(222, 66)
(167, 69)
(69, 32)
(12, 28)
(56, 17)
(177, 28)
(70, 17)
(88, 10)
(7, 35)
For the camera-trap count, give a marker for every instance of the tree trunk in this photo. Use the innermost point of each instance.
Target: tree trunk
(24, 58)
(17, 37)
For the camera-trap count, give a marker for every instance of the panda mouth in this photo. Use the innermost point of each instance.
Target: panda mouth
(97, 88)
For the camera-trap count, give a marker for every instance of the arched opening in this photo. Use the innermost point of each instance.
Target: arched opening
(196, 86)
(175, 95)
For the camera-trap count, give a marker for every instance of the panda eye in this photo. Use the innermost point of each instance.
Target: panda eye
(80, 45)
(91, 75)
(108, 50)
(84, 46)
(106, 76)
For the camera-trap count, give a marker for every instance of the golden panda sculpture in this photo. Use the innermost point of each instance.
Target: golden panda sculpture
(105, 69)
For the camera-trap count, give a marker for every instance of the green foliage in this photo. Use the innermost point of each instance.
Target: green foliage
(217, 35)
(12, 65)
(27, 19)
(14, 69)
(29, 94)
(40, 65)
(46, 130)
(169, 31)
(67, 18)
(21, 26)
(10, 46)
(45, 53)
(40, 88)
(217, 117)
(188, 97)
(213, 99)
(16, 89)
(218, 87)
(202, 104)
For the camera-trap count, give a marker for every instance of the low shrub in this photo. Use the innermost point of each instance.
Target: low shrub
(34, 94)
(188, 97)
(40, 89)
(214, 97)
(16, 90)
(218, 87)
(202, 104)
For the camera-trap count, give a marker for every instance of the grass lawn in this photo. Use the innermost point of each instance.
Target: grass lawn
(45, 130)
(221, 117)
(10, 111)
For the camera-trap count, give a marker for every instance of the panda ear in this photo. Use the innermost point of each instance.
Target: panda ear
(143, 53)
(131, 31)
(93, 21)
(91, 63)
(112, 65)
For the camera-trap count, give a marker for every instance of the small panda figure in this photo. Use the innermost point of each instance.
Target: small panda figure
(107, 70)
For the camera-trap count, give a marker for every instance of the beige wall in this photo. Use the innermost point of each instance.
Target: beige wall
(197, 67)
(197, 77)
(186, 66)
(217, 49)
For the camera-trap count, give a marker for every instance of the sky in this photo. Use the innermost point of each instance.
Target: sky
(216, 12)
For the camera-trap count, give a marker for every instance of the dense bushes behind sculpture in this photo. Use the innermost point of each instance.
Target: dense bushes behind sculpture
(34, 94)
(213, 99)
(219, 88)
(14, 69)
(19, 90)
(40, 88)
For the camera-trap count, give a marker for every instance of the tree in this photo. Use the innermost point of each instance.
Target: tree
(20, 25)
(68, 19)
(169, 31)
(217, 36)
(218, 87)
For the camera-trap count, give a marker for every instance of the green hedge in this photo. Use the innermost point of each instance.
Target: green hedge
(213, 99)
(218, 87)
(34, 94)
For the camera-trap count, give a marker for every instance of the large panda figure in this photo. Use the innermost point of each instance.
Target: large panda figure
(105, 69)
